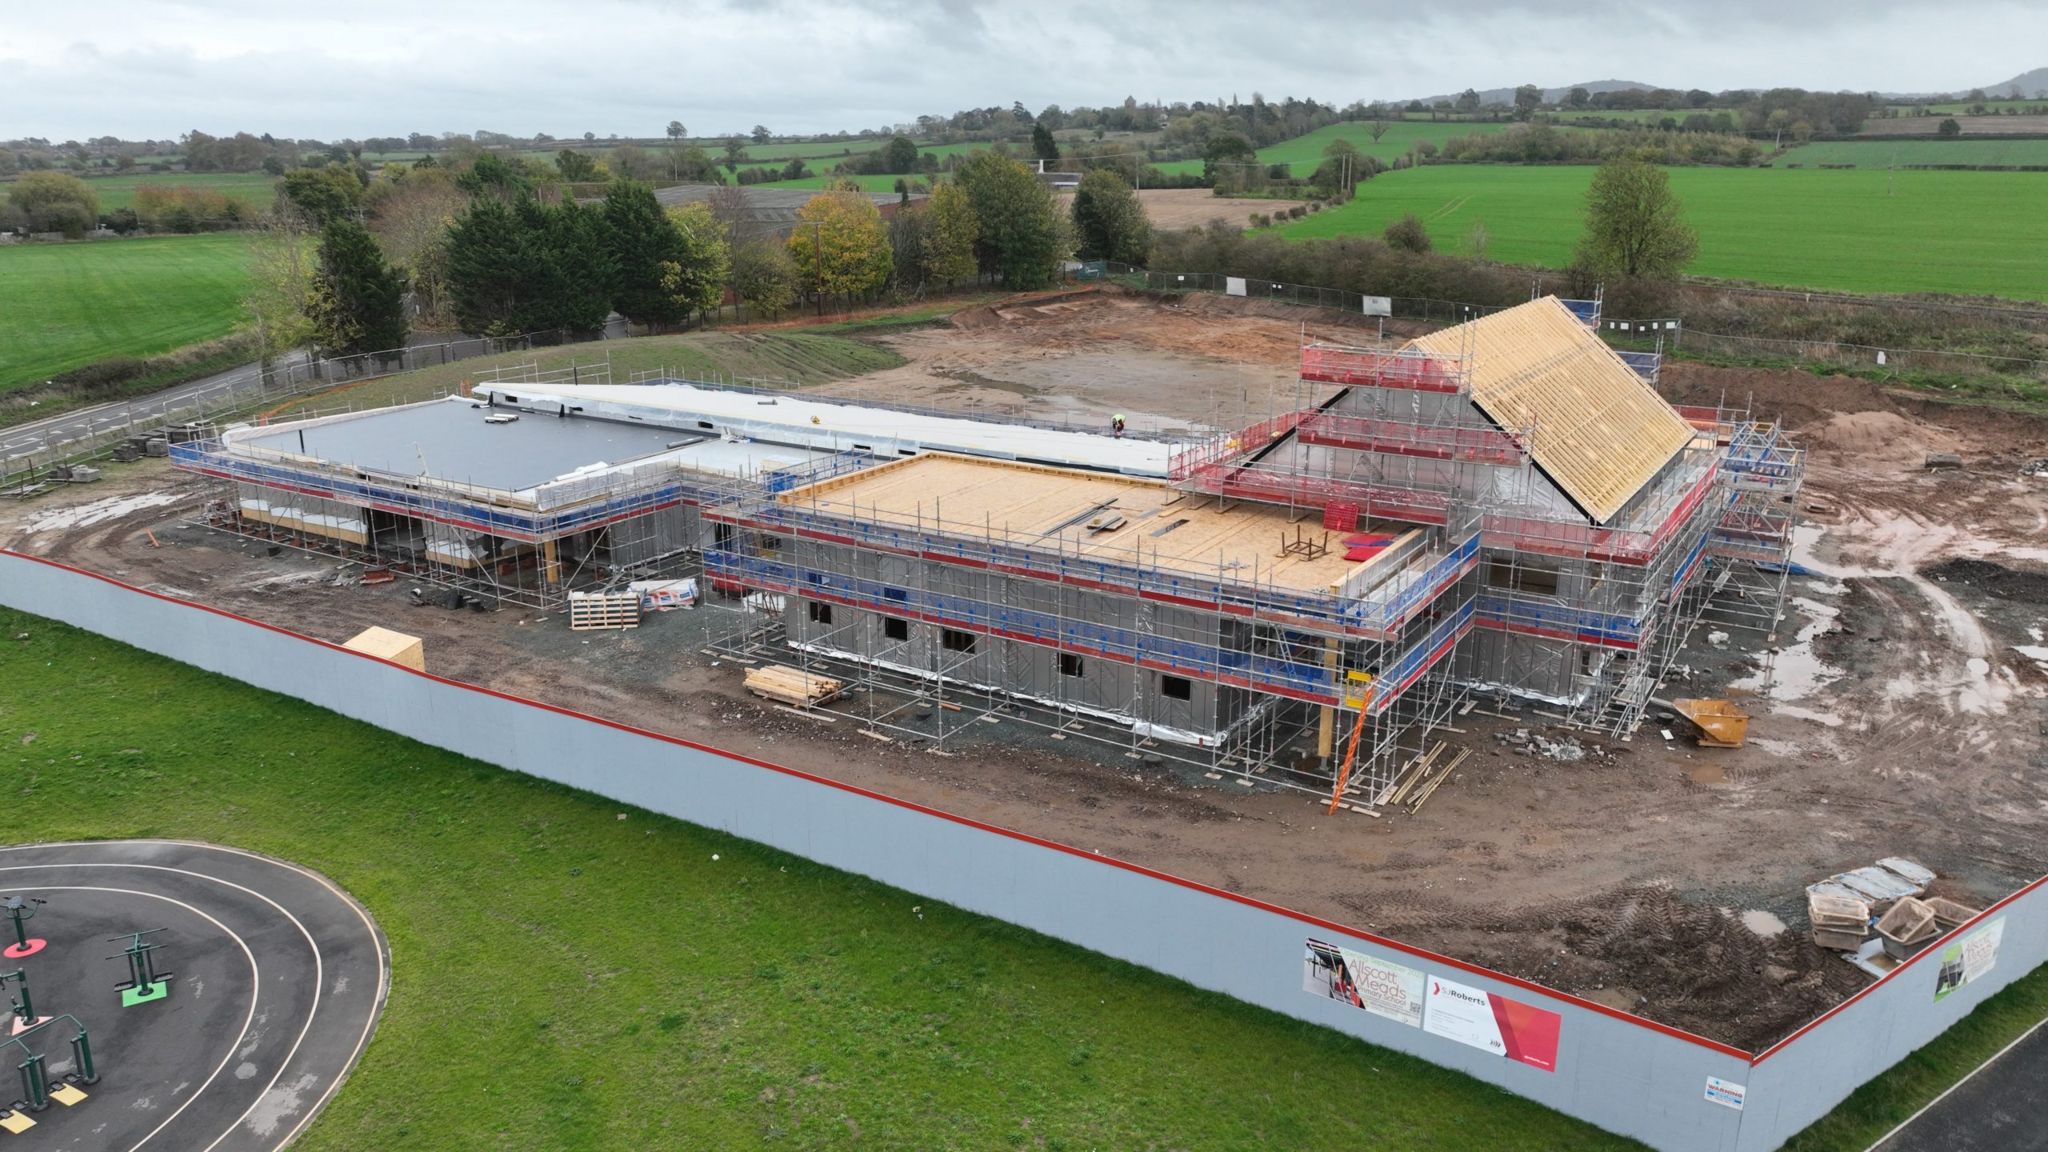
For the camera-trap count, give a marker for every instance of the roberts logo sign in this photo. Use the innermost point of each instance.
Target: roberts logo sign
(1493, 1022)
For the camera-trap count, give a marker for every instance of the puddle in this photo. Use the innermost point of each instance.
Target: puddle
(1708, 774)
(1762, 923)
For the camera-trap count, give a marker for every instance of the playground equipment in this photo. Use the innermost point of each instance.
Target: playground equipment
(36, 1092)
(144, 982)
(21, 910)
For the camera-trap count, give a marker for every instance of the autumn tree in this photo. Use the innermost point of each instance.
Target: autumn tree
(1109, 221)
(575, 167)
(281, 271)
(1635, 227)
(950, 234)
(840, 246)
(411, 225)
(56, 202)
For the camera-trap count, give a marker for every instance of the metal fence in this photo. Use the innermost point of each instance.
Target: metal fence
(33, 452)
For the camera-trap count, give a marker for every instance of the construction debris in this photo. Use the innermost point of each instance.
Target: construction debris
(1839, 922)
(385, 644)
(1907, 928)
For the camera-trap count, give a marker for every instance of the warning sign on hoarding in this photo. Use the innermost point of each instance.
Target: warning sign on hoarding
(1492, 1022)
(1233, 285)
(1362, 980)
(1726, 1093)
(1968, 958)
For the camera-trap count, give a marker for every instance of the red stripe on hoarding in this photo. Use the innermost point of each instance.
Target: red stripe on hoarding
(964, 821)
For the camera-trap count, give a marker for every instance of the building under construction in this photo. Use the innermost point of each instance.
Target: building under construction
(1505, 510)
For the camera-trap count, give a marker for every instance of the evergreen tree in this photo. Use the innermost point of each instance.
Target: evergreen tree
(574, 250)
(643, 239)
(1043, 146)
(488, 269)
(358, 301)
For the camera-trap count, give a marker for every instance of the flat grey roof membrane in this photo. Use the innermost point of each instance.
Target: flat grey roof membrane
(451, 442)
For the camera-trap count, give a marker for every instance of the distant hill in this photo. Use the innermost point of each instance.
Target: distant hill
(2033, 83)
(1550, 95)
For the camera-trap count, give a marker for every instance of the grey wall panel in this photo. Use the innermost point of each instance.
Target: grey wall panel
(1613, 1071)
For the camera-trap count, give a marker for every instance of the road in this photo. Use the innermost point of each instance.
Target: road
(38, 436)
(2003, 1107)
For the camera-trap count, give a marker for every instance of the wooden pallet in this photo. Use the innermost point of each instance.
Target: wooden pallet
(589, 611)
(787, 685)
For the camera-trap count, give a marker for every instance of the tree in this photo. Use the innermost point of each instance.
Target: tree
(735, 152)
(56, 202)
(1528, 98)
(695, 279)
(1377, 127)
(281, 271)
(761, 134)
(492, 176)
(1577, 98)
(575, 167)
(1022, 234)
(1408, 234)
(764, 277)
(411, 225)
(1043, 146)
(1635, 227)
(1468, 101)
(358, 301)
(572, 260)
(643, 240)
(1109, 221)
(950, 234)
(675, 130)
(840, 247)
(1949, 127)
(489, 261)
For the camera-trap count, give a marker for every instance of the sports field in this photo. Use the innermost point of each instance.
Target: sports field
(1973, 233)
(253, 188)
(1885, 153)
(572, 974)
(63, 306)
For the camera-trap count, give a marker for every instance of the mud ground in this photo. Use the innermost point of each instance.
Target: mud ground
(1901, 719)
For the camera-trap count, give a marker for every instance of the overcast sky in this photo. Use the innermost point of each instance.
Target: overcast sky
(354, 68)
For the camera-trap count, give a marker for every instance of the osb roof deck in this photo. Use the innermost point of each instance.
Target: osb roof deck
(1593, 425)
(1043, 507)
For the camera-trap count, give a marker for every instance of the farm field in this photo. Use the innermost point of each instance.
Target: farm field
(119, 191)
(572, 974)
(63, 306)
(870, 183)
(1964, 232)
(1305, 152)
(1882, 153)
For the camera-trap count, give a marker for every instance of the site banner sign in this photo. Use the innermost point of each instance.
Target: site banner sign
(1492, 1022)
(1968, 958)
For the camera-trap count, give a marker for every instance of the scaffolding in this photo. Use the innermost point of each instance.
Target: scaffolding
(941, 627)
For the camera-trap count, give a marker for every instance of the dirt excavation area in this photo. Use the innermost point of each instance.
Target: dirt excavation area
(1906, 713)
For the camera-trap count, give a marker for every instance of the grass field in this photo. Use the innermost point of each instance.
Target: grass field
(793, 355)
(63, 306)
(254, 188)
(1962, 232)
(565, 978)
(1883, 153)
(1306, 152)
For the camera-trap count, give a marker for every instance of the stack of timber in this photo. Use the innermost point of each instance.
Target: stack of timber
(1421, 778)
(595, 610)
(792, 686)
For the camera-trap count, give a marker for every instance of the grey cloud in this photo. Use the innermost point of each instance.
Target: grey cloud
(364, 67)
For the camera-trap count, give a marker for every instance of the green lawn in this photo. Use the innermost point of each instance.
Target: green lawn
(1962, 232)
(63, 306)
(1306, 152)
(1884, 153)
(565, 978)
(253, 188)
